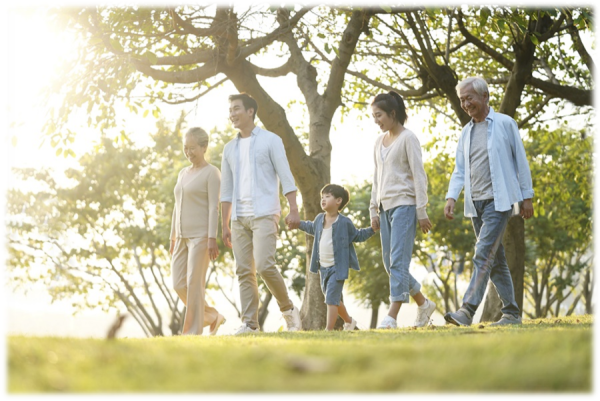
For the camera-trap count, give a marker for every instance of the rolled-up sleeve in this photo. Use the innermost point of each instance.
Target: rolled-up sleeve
(281, 165)
(457, 181)
(226, 177)
(520, 157)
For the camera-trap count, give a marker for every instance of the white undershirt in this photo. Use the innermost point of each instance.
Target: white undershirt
(244, 205)
(384, 151)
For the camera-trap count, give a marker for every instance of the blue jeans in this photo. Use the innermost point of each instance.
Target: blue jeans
(398, 229)
(489, 261)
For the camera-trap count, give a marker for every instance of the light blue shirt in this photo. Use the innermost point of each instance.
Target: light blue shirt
(509, 169)
(269, 166)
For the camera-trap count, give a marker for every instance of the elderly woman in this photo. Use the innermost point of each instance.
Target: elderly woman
(194, 233)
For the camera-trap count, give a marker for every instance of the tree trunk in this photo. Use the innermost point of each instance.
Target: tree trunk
(374, 315)
(514, 247)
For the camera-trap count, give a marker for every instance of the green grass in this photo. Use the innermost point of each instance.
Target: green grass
(547, 355)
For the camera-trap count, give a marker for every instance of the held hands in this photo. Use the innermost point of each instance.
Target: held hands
(213, 249)
(527, 209)
(375, 223)
(292, 220)
(449, 209)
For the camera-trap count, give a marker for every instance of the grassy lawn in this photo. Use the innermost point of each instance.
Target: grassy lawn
(546, 355)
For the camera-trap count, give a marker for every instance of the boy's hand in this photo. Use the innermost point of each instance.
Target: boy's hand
(425, 225)
(375, 223)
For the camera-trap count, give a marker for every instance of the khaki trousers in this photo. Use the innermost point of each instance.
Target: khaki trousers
(254, 241)
(189, 266)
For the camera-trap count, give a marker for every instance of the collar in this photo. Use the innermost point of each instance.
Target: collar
(490, 117)
(255, 131)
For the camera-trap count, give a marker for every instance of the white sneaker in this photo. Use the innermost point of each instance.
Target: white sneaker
(388, 322)
(292, 319)
(244, 329)
(350, 326)
(424, 313)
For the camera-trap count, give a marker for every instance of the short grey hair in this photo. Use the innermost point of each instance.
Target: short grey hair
(479, 85)
(199, 135)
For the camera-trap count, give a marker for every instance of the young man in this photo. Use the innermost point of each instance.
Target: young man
(492, 166)
(253, 164)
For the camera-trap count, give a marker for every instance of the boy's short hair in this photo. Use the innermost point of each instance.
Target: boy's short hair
(247, 101)
(337, 191)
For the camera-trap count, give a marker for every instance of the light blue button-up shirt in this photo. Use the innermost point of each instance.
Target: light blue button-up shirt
(269, 166)
(509, 169)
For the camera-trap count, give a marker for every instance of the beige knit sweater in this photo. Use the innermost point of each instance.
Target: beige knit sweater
(196, 212)
(400, 179)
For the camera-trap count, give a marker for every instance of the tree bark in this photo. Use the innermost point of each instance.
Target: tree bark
(374, 316)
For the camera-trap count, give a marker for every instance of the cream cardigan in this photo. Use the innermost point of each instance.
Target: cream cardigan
(196, 212)
(400, 179)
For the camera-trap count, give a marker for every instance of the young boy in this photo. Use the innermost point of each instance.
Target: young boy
(333, 252)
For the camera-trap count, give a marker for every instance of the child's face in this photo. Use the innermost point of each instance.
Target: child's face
(382, 119)
(329, 203)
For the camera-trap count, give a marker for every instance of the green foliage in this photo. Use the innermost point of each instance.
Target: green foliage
(101, 240)
(559, 237)
(549, 356)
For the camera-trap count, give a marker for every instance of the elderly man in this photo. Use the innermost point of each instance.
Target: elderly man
(492, 167)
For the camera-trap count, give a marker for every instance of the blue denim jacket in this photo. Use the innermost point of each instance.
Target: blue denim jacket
(509, 169)
(343, 235)
(269, 166)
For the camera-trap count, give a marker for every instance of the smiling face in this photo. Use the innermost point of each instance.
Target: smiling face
(330, 203)
(193, 152)
(474, 104)
(239, 116)
(382, 119)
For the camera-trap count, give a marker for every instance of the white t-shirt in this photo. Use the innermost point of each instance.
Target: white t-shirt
(244, 201)
(326, 258)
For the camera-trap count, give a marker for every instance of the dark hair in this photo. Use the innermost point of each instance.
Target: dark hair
(247, 101)
(337, 191)
(391, 102)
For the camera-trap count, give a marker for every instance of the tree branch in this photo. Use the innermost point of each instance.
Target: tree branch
(499, 58)
(280, 71)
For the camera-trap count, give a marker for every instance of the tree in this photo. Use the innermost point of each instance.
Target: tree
(102, 239)
(534, 58)
(190, 50)
(559, 239)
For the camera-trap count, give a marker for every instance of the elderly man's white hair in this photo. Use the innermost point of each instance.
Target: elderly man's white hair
(479, 86)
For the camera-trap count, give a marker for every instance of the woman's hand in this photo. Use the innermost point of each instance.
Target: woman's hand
(425, 225)
(375, 223)
(172, 247)
(213, 249)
